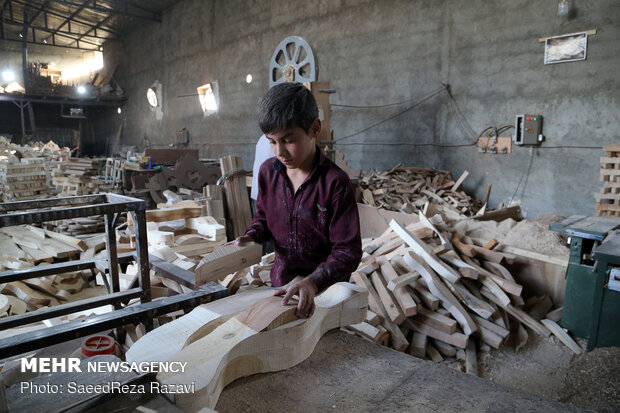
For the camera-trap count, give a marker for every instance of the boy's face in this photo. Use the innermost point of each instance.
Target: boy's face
(293, 147)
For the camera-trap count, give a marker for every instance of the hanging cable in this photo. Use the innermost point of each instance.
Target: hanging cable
(393, 116)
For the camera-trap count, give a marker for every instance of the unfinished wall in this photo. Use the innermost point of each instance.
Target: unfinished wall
(381, 52)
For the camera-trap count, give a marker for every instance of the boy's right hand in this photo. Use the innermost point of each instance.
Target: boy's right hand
(240, 240)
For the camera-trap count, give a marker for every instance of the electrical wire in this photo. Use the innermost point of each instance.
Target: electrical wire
(395, 115)
(374, 106)
(570, 147)
(525, 172)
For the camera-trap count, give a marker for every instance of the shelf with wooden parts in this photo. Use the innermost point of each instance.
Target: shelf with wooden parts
(265, 337)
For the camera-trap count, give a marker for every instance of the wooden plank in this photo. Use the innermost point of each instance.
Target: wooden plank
(459, 181)
(464, 269)
(403, 280)
(76, 242)
(192, 250)
(430, 301)
(518, 314)
(418, 345)
(477, 305)
(37, 256)
(471, 359)
(433, 354)
(555, 315)
(444, 348)
(164, 342)
(395, 313)
(227, 259)
(490, 326)
(442, 292)
(562, 335)
(463, 248)
(366, 330)
(58, 248)
(436, 320)
(403, 298)
(399, 341)
(207, 226)
(372, 318)
(456, 339)
(222, 356)
(237, 198)
(489, 337)
(503, 272)
(422, 249)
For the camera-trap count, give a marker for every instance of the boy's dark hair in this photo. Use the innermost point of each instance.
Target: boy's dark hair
(285, 106)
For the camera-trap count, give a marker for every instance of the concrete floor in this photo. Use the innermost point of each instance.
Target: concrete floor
(347, 373)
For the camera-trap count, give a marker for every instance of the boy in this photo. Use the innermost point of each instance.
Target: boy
(305, 202)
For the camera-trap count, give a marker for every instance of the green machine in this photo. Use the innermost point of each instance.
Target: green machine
(592, 296)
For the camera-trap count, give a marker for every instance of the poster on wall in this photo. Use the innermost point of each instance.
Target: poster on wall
(566, 48)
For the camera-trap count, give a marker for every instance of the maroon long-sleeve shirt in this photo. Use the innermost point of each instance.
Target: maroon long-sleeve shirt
(316, 230)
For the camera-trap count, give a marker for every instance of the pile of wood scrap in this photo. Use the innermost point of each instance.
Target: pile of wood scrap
(77, 176)
(35, 293)
(26, 246)
(434, 295)
(22, 180)
(411, 190)
(82, 227)
(608, 200)
(50, 151)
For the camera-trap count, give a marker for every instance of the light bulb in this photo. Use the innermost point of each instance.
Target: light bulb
(563, 7)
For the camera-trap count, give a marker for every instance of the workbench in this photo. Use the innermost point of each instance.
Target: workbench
(346, 373)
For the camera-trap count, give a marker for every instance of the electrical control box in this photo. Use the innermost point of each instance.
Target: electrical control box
(183, 136)
(528, 130)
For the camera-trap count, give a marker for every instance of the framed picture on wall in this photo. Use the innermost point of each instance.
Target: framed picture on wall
(566, 48)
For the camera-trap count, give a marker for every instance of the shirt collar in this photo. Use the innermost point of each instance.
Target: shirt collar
(319, 161)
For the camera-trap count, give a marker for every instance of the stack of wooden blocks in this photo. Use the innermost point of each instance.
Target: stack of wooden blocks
(77, 177)
(608, 200)
(23, 180)
(237, 198)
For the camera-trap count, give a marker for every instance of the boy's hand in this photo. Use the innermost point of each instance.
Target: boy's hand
(241, 240)
(305, 290)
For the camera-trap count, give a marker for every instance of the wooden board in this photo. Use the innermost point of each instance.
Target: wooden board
(235, 349)
(226, 260)
(164, 342)
(422, 249)
(440, 291)
(238, 201)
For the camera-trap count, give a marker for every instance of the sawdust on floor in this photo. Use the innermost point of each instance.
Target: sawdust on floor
(534, 235)
(548, 368)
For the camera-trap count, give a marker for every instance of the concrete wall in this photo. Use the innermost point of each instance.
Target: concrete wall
(380, 52)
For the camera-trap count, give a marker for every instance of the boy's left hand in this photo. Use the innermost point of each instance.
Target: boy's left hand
(306, 291)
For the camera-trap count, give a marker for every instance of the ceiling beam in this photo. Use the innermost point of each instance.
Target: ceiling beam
(68, 19)
(96, 48)
(48, 30)
(39, 10)
(137, 6)
(153, 17)
(86, 34)
(56, 13)
(68, 35)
